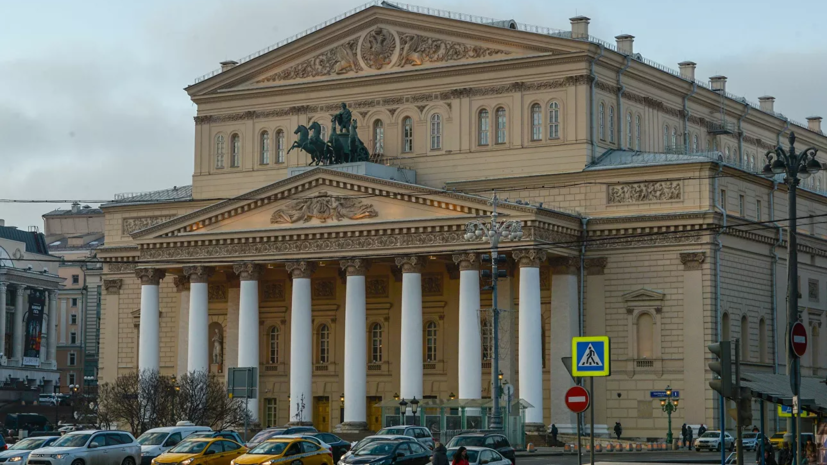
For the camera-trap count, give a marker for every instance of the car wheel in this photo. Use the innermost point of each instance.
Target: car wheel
(128, 461)
(77, 462)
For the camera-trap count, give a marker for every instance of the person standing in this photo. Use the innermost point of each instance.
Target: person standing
(618, 430)
(810, 452)
(554, 433)
(785, 456)
(440, 456)
(460, 457)
(689, 437)
(683, 435)
(701, 430)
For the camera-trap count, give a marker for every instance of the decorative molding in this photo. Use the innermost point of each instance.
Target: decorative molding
(644, 295)
(150, 276)
(122, 267)
(596, 266)
(198, 273)
(378, 46)
(466, 261)
(272, 291)
(432, 284)
(354, 266)
(377, 287)
(182, 283)
(692, 260)
(323, 207)
(564, 265)
(545, 279)
(529, 258)
(130, 225)
(410, 264)
(248, 271)
(338, 60)
(415, 49)
(656, 191)
(300, 269)
(217, 292)
(112, 286)
(323, 289)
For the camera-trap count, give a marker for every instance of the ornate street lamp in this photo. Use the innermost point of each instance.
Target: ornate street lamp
(342, 397)
(492, 232)
(403, 407)
(414, 408)
(452, 396)
(669, 405)
(794, 166)
(395, 396)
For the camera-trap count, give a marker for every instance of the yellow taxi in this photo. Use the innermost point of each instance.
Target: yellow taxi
(285, 450)
(201, 451)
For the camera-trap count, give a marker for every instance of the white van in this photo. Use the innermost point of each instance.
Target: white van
(158, 440)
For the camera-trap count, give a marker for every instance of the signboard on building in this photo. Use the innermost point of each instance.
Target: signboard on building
(661, 394)
(33, 322)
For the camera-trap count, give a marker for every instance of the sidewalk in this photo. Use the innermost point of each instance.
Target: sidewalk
(657, 456)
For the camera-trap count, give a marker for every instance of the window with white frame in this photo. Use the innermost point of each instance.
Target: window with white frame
(279, 146)
(601, 118)
(73, 318)
(536, 122)
(637, 133)
(407, 134)
(674, 137)
(665, 136)
(273, 340)
(554, 120)
(219, 151)
(694, 143)
(74, 302)
(270, 412)
(323, 131)
(728, 156)
(436, 131)
(73, 337)
(235, 151)
(483, 126)
(73, 358)
(72, 379)
(629, 130)
(430, 342)
(378, 137)
(323, 341)
(501, 126)
(376, 343)
(264, 146)
(612, 124)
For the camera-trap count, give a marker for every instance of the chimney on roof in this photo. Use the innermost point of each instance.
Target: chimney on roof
(229, 64)
(579, 27)
(625, 44)
(718, 83)
(2, 222)
(688, 69)
(814, 124)
(767, 103)
(75, 207)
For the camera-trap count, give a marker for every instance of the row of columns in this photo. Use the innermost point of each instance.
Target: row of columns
(564, 291)
(48, 351)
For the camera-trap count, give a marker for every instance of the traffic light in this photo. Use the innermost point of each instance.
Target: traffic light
(502, 261)
(745, 406)
(722, 368)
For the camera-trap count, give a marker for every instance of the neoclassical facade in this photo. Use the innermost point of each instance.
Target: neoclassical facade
(645, 218)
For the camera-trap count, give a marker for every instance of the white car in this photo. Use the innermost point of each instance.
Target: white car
(751, 440)
(19, 451)
(481, 456)
(91, 447)
(711, 440)
(159, 440)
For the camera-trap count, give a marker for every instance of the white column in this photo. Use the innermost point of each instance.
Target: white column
(52, 353)
(531, 333)
(198, 338)
(248, 348)
(182, 287)
(301, 343)
(17, 336)
(355, 346)
(3, 319)
(149, 357)
(410, 360)
(564, 326)
(469, 339)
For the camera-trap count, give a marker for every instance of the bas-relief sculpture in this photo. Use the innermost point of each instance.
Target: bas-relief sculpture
(323, 207)
(661, 191)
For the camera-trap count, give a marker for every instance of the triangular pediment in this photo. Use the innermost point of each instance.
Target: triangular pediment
(643, 295)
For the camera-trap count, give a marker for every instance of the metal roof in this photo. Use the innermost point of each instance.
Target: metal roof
(174, 194)
(629, 158)
(776, 389)
(83, 211)
(35, 242)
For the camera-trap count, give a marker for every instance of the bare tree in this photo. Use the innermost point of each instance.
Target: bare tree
(203, 400)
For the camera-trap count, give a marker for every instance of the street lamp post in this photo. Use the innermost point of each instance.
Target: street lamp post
(403, 407)
(493, 231)
(795, 166)
(669, 405)
(414, 409)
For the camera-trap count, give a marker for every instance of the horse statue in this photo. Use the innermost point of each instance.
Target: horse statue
(358, 151)
(312, 144)
(335, 149)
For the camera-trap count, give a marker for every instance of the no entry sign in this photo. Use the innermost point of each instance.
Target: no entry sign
(798, 339)
(577, 399)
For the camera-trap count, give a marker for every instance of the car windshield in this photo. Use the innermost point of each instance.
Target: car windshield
(400, 431)
(269, 448)
(750, 435)
(152, 439)
(189, 447)
(473, 441)
(712, 434)
(377, 448)
(472, 455)
(266, 434)
(72, 440)
(778, 436)
(29, 444)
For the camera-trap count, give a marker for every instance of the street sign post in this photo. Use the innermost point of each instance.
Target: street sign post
(577, 399)
(590, 356)
(798, 339)
(242, 383)
(662, 394)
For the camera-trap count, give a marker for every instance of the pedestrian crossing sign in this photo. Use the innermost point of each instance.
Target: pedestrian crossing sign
(590, 356)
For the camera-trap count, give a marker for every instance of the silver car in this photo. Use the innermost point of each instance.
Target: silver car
(19, 452)
(420, 434)
(90, 448)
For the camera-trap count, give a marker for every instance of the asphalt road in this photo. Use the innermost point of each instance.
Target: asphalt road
(632, 457)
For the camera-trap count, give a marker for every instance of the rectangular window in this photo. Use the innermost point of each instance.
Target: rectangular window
(73, 319)
(72, 360)
(74, 302)
(758, 210)
(723, 199)
(72, 378)
(73, 338)
(270, 412)
(741, 206)
(75, 279)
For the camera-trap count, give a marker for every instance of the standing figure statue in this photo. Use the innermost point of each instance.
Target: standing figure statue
(343, 118)
(217, 348)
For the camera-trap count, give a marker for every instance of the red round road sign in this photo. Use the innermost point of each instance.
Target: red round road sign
(798, 339)
(577, 399)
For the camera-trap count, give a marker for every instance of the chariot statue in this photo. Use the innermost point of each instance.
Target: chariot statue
(342, 146)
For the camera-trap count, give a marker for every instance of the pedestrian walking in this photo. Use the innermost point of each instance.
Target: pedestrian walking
(554, 433)
(460, 457)
(618, 430)
(689, 436)
(701, 430)
(785, 457)
(683, 435)
(440, 456)
(811, 452)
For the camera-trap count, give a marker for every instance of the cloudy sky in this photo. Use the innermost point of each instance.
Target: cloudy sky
(91, 99)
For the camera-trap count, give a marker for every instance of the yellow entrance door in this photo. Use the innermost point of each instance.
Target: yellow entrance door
(374, 414)
(321, 413)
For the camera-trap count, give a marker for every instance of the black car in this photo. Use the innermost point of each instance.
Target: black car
(390, 452)
(231, 435)
(270, 432)
(338, 445)
(495, 441)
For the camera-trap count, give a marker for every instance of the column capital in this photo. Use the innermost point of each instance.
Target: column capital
(198, 273)
(467, 261)
(692, 260)
(355, 266)
(112, 286)
(248, 271)
(410, 264)
(182, 283)
(151, 276)
(529, 258)
(301, 269)
(564, 265)
(596, 266)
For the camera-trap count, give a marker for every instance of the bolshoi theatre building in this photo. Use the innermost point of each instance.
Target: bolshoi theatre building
(350, 282)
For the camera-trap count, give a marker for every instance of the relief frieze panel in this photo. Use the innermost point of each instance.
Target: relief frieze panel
(324, 288)
(377, 287)
(217, 293)
(272, 291)
(338, 60)
(130, 225)
(323, 207)
(659, 191)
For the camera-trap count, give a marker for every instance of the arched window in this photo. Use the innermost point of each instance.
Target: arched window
(264, 145)
(376, 343)
(645, 336)
(407, 135)
(487, 340)
(637, 133)
(436, 131)
(601, 121)
(219, 151)
(752, 162)
(818, 184)
(430, 342)
(725, 327)
(674, 137)
(744, 338)
(484, 127)
(273, 356)
(279, 146)
(235, 151)
(629, 130)
(536, 122)
(323, 338)
(728, 156)
(665, 137)
(323, 132)
(612, 125)
(762, 341)
(554, 120)
(501, 126)
(745, 160)
(378, 137)
(695, 143)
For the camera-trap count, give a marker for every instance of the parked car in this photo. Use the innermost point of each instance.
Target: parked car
(270, 432)
(36, 422)
(370, 439)
(751, 440)
(226, 434)
(338, 446)
(281, 449)
(711, 440)
(481, 456)
(778, 438)
(40, 434)
(201, 451)
(159, 440)
(420, 433)
(390, 452)
(88, 448)
(19, 452)
(496, 441)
